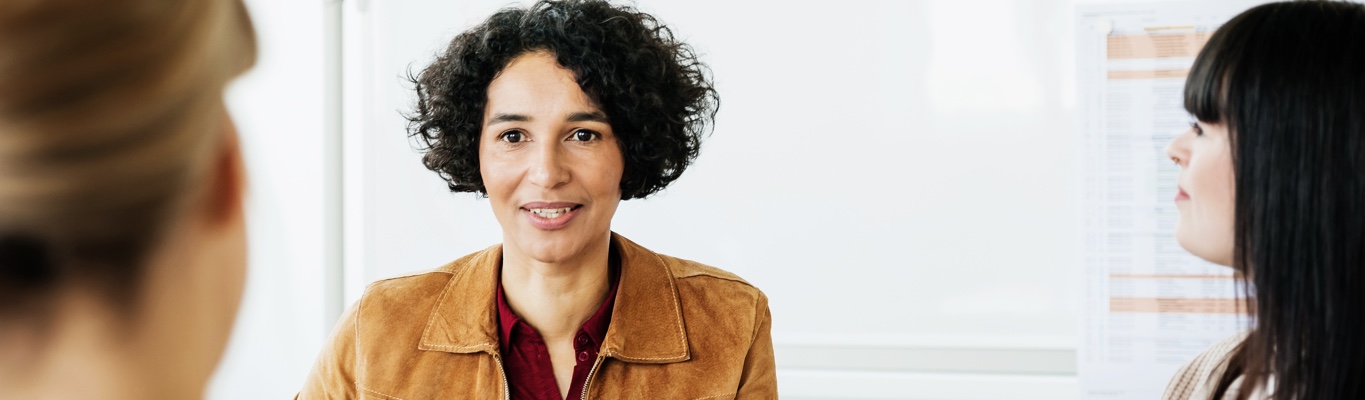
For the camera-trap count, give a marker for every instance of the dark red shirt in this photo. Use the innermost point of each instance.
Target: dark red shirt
(526, 360)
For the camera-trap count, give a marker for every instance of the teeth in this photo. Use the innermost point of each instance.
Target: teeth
(550, 213)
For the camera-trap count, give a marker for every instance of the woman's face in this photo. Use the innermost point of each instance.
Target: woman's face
(549, 160)
(1205, 194)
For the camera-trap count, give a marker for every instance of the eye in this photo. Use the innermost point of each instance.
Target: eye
(584, 135)
(1196, 126)
(511, 136)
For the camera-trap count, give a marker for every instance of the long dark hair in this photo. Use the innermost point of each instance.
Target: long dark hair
(1287, 80)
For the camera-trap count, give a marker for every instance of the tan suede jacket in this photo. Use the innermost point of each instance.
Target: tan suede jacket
(679, 330)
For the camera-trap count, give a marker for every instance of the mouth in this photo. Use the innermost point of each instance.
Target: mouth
(551, 213)
(550, 216)
(1181, 194)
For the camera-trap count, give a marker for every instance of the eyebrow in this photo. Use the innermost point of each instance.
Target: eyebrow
(596, 116)
(497, 118)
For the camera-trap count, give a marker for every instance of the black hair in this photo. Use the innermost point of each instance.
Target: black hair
(657, 96)
(1287, 81)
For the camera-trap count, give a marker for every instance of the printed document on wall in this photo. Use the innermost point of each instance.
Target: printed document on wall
(1150, 306)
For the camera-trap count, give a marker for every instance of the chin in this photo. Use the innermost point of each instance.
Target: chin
(554, 246)
(551, 247)
(1201, 245)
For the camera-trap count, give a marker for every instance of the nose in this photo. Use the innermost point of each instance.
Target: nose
(548, 170)
(1179, 148)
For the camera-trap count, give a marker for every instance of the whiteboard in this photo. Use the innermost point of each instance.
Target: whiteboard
(898, 177)
(1150, 306)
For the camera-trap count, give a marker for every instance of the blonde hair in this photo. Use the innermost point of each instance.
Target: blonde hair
(108, 113)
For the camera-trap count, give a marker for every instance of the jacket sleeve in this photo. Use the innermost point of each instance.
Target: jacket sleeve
(760, 379)
(333, 375)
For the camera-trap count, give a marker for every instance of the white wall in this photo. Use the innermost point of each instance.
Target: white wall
(278, 107)
(896, 176)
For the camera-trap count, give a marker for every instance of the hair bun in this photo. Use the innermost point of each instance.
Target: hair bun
(25, 261)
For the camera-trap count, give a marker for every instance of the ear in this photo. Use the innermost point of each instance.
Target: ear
(226, 190)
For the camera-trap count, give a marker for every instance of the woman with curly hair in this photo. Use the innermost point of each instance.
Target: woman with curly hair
(556, 113)
(1271, 185)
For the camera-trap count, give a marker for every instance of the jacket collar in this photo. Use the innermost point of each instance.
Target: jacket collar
(647, 318)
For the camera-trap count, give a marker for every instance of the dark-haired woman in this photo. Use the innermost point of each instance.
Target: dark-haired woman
(557, 112)
(1271, 185)
(122, 239)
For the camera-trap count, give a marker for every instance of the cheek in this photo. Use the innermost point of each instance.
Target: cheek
(1214, 180)
(609, 173)
(233, 282)
(1213, 205)
(493, 171)
(237, 276)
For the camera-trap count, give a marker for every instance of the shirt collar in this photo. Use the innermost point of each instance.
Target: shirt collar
(507, 320)
(596, 325)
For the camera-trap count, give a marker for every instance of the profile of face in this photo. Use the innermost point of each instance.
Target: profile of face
(1205, 195)
(549, 161)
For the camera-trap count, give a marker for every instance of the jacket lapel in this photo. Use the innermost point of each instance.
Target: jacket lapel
(647, 318)
(465, 319)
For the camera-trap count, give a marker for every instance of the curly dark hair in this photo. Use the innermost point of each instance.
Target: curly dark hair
(657, 96)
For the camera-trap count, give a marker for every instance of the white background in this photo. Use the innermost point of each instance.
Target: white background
(897, 176)
(278, 107)
(894, 175)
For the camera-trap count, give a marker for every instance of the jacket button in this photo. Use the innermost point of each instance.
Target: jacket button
(583, 356)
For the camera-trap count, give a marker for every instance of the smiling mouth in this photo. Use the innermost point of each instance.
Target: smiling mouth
(551, 210)
(552, 213)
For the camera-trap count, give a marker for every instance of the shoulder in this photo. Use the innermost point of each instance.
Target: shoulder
(688, 272)
(1197, 378)
(405, 289)
(416, 293)
(726, 298)
(383, 327)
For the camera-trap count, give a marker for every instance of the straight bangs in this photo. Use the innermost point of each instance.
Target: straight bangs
(1206, 95)
(1207, 85)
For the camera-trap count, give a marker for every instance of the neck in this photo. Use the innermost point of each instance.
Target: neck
(557, 297)
(79, 355)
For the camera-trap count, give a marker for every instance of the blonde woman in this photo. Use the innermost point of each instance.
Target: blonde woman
(122, 247)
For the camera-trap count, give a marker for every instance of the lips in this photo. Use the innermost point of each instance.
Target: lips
(550, 215)
(1181, 194)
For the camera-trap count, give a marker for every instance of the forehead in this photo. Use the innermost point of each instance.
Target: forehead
(535, 83)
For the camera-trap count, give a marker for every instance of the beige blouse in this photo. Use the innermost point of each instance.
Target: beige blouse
(1199, 378)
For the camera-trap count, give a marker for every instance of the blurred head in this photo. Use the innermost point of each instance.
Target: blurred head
(1274, 174)
(612, 107)
(120, 186)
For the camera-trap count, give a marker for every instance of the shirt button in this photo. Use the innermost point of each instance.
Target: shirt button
(583, 356)
(583, 340)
